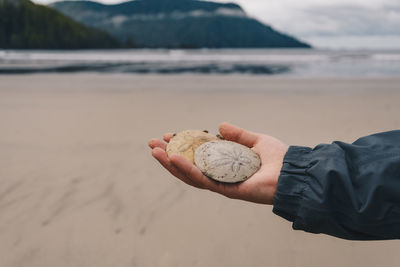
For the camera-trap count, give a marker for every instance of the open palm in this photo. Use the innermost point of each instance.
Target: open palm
(259, 188)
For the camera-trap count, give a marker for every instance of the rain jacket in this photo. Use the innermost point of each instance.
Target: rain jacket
(350, 191)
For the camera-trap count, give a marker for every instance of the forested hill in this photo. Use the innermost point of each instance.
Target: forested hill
(25, 25)
(178, 24)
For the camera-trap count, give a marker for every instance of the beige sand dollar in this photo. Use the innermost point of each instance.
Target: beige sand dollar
(186, 142)
(227, 161)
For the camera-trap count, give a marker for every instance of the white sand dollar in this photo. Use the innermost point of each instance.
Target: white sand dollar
(226, 161)
(186, 142)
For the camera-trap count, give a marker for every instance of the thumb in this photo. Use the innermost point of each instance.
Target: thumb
(233, 133)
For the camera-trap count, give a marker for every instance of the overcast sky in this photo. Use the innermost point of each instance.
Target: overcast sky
(328, 23)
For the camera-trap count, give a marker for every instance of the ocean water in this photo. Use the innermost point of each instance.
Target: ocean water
(278, 62)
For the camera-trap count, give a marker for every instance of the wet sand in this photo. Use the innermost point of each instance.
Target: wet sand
(78, 185)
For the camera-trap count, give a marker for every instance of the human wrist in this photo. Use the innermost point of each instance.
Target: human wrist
(276, 173)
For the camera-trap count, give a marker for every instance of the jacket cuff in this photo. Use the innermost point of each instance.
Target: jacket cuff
(292, 183)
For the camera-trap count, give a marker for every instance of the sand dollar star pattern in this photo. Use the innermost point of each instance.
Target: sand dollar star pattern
(233, 157)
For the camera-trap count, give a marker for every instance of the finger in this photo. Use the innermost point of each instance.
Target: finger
(190, 171)
(233, 133)
(153, 143)
(194, 174)
(162, 157)
(168, 136)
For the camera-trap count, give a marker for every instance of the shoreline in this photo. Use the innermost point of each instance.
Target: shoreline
(203, 83)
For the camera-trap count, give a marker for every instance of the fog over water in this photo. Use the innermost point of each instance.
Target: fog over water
(282, 62)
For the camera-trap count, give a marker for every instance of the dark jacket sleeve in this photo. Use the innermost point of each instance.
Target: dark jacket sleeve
(350, 191)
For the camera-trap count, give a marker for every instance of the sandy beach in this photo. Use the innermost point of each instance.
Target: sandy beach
(78, 185)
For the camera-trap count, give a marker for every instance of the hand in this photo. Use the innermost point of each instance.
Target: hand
(260, 188)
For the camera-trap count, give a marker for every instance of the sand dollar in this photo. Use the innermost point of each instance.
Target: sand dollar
(186, 142)
(227, 161)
